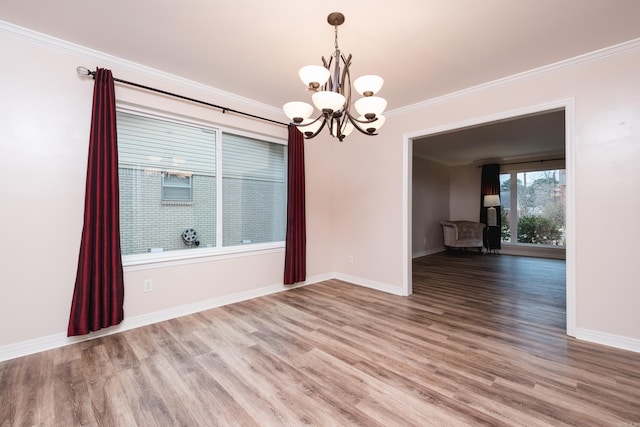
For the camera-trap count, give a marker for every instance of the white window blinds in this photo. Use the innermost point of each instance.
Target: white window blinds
(161, 145)
(249, 158)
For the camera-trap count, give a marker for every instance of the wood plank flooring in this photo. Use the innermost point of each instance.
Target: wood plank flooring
(480, 342)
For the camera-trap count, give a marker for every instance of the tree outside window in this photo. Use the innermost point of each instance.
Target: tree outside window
(538, 198)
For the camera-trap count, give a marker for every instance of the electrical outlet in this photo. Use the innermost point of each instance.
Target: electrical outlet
(148, 285)
(350, 259)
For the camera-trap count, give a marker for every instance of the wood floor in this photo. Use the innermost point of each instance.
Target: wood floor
(480, 342)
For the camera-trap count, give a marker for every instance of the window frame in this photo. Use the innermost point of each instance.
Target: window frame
(523, 167)
(172, 201)
(142, 261)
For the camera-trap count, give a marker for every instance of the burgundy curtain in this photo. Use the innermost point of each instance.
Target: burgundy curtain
(490, 185)
(295, 255)
(99, 290)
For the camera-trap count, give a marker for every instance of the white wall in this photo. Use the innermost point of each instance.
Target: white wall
(46, 110)
(430, 201)
(606, 143)
(465, 193)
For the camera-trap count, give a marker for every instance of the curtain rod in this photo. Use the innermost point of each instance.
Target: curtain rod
(530, 161)
(86, 72)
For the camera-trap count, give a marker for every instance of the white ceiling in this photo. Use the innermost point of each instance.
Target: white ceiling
(422, 48)
(536, 136)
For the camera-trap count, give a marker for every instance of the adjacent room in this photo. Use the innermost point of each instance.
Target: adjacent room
(302, 213)
(531, 153)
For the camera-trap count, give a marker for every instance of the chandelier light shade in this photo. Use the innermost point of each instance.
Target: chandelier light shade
(328, 101)
(370, 106)
(368, 85)
(330, 85)
(298, 111)
(374, 125)
(314, 76)
(311, 125)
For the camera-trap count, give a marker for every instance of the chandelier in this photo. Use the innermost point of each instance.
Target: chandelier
(330, 85)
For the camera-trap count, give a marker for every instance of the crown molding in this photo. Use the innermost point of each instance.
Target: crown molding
(31, 36)
(536, 72)
(50, 41)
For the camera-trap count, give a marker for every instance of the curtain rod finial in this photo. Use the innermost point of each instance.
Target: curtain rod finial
(83, 71)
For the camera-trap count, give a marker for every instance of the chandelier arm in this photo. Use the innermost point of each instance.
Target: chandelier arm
(347, 64)
(337, 83)
(339, 123)
(327, 64)
(310, 123)
(335, 122)
(353, 119)
(345, 81)
(355, 122)
(324, 122)
(321, 116)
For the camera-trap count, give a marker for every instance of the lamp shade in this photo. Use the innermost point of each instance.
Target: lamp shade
(368, 85)
(370, 106)
(326, 100)
(373, 126)
(491, 200)
(310, 127)
(314, 75)
(347, 128)
(298, 111)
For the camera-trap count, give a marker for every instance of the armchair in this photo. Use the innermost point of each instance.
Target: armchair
(463, 234)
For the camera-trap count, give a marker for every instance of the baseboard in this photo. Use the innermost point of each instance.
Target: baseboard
(371, 284)
(36, 345)
(611, 340)
(428, 252)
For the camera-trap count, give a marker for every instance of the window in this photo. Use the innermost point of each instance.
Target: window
(533, 207)
(254, 191)
(224, 189)
(176, 187)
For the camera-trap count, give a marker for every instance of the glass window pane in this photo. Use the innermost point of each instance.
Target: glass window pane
(176, 187)
(505, 206)
(167, 174)
(254, 190)
(541, 207)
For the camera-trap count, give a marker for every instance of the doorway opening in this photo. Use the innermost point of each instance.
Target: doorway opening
(462, 139)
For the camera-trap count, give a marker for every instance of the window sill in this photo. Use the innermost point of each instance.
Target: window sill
(198, 255)
(534, 250)
(177, 202)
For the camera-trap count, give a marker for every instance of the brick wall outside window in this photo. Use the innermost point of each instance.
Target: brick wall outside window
(254, 212)
(146, 222)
